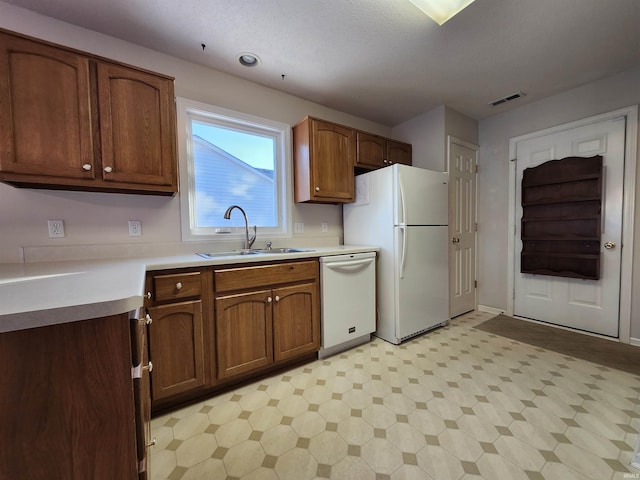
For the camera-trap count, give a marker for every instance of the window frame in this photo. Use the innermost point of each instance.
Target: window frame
(281, 132)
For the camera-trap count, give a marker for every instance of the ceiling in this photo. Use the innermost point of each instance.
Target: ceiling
(382, 60)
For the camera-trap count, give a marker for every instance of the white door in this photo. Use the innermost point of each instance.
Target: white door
(462, 227)
(589, 305)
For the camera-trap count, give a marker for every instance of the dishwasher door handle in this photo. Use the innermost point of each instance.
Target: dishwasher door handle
(350, 265)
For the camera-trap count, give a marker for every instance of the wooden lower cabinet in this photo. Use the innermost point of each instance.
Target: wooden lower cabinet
(244, 332)
(296, 325)
(203, 339)
(67, 402)
(176, 341)
(270, 314)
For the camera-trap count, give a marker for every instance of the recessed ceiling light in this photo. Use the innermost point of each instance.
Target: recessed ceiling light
(441, 10)
(248, 59)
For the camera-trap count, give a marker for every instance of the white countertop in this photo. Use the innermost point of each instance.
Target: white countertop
(39, 294)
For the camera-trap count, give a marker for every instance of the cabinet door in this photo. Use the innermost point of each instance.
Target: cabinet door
(296, 324)
(142, 394)
(371, 151)
(176, 346)
(67, 402)
(398, 152)
(45, 115)
(137, 126)
(334, 151)
(244, 332)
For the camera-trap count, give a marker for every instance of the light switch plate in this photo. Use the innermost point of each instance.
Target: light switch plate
(298, 227)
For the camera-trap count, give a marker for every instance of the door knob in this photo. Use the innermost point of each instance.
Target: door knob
(455, 240)
(609, 245)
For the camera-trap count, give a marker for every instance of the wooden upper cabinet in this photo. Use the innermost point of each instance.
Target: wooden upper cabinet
(137, 128)
(71, 120)
(45, 113)
(398, 152)
(324, 157)
(372, 151)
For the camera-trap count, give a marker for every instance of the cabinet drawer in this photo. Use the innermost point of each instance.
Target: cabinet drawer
(177, 286)
(251, 277)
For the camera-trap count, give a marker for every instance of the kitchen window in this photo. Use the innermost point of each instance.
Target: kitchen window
(229, 158)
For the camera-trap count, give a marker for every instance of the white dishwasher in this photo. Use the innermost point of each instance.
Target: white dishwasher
(348, 290)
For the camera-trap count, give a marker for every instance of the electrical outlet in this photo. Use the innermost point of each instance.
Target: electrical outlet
(135, 228)
(324, 227)
(56, 228)
(298, 227)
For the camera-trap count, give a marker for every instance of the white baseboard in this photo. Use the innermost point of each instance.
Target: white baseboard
(485, 308)
(634, 341)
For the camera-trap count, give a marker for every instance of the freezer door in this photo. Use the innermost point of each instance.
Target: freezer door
(421, 196)
(421, 279)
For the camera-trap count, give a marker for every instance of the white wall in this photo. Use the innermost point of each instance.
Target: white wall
(99, 218)
(428, 134)
(592, 99)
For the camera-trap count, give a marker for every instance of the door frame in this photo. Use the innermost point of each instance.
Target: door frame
(471, 146)
(628, 208)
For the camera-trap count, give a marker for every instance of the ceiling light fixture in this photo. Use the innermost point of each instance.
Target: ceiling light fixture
(441, 10)
(248, 59)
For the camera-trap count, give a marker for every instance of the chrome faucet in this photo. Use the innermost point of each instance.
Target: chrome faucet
(248, 241)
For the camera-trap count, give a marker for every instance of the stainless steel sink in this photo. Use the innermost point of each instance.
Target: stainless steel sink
(228, 254)
(284, 250)
(263, 251)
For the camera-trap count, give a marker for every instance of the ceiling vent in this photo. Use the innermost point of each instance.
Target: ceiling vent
(508, 98)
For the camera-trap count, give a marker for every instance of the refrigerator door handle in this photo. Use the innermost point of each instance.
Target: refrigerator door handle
(403, 205)
(403, 230)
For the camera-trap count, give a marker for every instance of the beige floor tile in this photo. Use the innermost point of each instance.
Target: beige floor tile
(584, 463)
(558, 471)
(533, 435)
(278, 440)
(163, 462)
(224, 412)
(381, 456)
(460, 445)
(495, 466)
(210, 468)
(352, 468)
(406, 438)
(355, 431)
(379, 416)
(296, 464)
(190, 426)
(195, 450)
(519, 453)
(232, 433)
(478, 428)
(328, 447)
(308, 424)
(440, 464)
(243, 458)
(265, 418)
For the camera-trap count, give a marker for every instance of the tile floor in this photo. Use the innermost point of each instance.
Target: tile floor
(456, 403)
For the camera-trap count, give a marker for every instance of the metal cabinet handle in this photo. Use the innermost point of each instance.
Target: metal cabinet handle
(108, 169)
(178, 286)
(86, 166)
(153, 442)
(149, 367)
(148, 295)
(148, 319)
(277, 298)
(269, 299)
(609, 245)
(317, 189)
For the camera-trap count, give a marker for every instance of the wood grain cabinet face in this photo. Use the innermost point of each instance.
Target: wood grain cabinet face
(45, 113)
(136, 126)
(70, 120)
(398, 152)
(372, 151)
(244, 332)
(295, 320)
(265, 314)
(67, 403)
(176, 342)
(324, 157)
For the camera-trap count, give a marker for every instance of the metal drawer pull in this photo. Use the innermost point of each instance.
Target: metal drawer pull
(277, 298)
(178, 286)
(148, 296)
(86, 166)
(149, 367)
(148, 319)
(108, 169)
(269, 299)
(153, 442)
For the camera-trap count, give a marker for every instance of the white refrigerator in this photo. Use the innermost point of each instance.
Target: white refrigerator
(404, 210)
